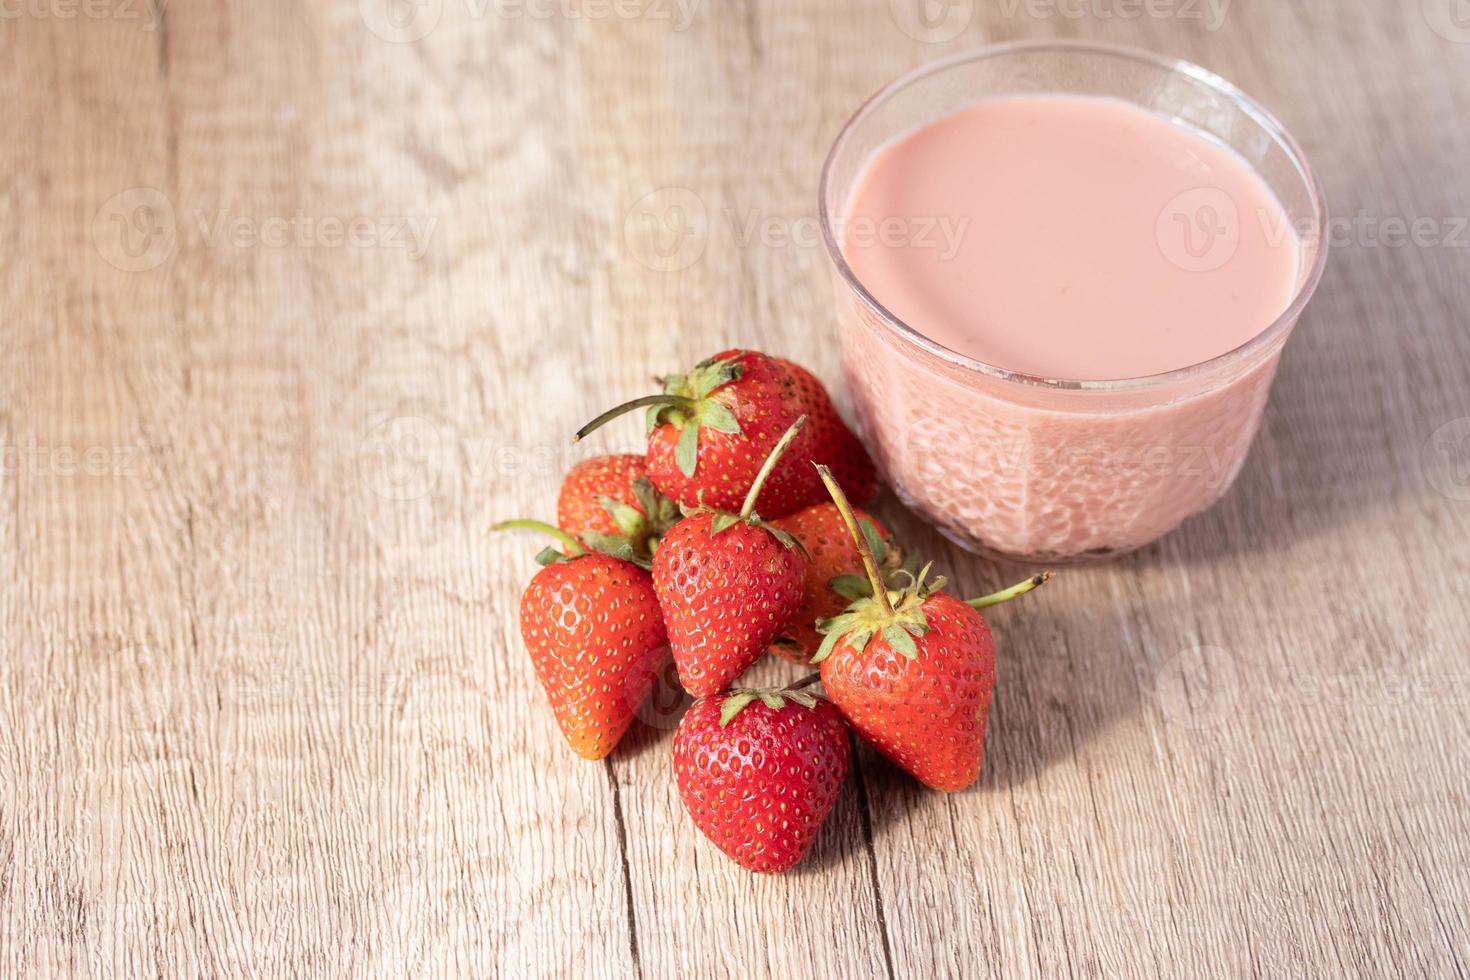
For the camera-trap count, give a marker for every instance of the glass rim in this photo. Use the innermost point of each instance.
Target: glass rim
(1258, 113)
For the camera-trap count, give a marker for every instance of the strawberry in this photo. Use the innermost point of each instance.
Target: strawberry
(591, 623)
(727, 583)
(913, 670)
(834, 572)
(759, 771)
(609, 502)
(580, 507)
(832, 442)
(711, 428)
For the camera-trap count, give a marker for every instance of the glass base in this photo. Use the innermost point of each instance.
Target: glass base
(978, 547)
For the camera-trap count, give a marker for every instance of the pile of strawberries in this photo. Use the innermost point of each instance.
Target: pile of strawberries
(731, 537)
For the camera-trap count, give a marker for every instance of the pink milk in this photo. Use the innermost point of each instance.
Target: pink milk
(1049, 307)
(1055, 250)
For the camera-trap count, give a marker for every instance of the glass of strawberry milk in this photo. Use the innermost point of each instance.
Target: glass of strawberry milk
(1064, 275)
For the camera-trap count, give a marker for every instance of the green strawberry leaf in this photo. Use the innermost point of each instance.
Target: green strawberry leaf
(898, 638)
(711, 375)
(851, 586)
(837, 624)
(660, 510)
(661, 414)
(787, 539)
(646, 496)
(718, 417)
(845, 627)
(722, 521)
(734, 704)
(630, 520)
(549, 556)
(923, 574)
(875, 541)
(829, 643)
(774, 698)
(615, 547)
(687, 452)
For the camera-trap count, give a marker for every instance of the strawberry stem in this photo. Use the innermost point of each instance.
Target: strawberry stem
(625, 407)
(573, 546)
(1020, 588)
(806, 681)
(870, 565)
(770, 464)
(775, 698)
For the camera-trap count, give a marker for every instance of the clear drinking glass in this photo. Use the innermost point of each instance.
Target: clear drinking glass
(1048, 469)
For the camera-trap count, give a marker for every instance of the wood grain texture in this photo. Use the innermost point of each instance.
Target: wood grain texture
(294, 302)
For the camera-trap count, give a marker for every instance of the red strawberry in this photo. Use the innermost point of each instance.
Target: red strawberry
(710, 429)
(609, 502)
(579, 506)
(727, 583)
(832, 442)
(926, 712)
(592, 626)
(913, 671)
(759, 771)
(834, 572)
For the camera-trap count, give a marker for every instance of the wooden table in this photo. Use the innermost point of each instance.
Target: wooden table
(297, 297)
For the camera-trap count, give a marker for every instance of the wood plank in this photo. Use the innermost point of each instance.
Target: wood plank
(263, 705)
